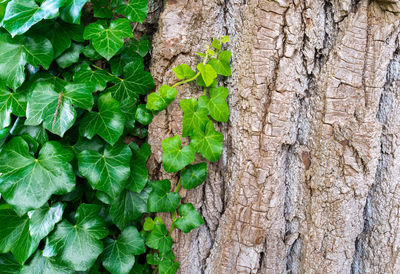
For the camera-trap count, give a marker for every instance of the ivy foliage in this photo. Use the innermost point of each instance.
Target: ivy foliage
(75, 193)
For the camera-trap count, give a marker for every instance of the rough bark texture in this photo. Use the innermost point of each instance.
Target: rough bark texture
(309, 178)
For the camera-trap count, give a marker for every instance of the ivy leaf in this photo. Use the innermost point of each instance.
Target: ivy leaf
(15, 53)
(216, 105)
(36, 132)
(222, 65)
(135, 10)
(21, 15)
(98, 78)
(27, 182)
(128, 207)
(168, 266)
(45, 265)
(8, 264)
(194, 117)
(119, 255)
(101, 9)
(71, 13)
(208, 143)
(136, 82)
(208, 73)
(69, 57)
(78, 245)
(108, 123)
(158, 101)
(190, 218)
(143, 115)
(194, 175)
(80, 95)
(108, 41)
(159, 239)
(15, 235)
(14, 103)
(3, 5)
(175, 157)
(139, 173)
(160, 199)
(106, 172)
(183, 71)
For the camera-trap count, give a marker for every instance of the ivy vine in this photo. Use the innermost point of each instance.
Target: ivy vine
(75, 193)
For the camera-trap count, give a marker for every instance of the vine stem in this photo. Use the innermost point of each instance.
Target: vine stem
(110, 74)
(187, 81)
(177, 188)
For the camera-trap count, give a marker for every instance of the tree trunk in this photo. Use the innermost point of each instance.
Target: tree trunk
(309, 177)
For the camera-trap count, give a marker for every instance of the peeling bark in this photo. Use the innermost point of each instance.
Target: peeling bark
(308, 178)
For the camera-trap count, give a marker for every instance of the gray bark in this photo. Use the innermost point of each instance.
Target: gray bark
(309, 177)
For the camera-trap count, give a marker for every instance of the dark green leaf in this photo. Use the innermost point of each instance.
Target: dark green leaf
(208, 143)
(194, 117)
(3, 5)
(190, 218)
(143, 115)
(71, 56)
(36, 132)
(216, 105)
(71, 13)
(98, 78)
(159, 101)
(27, 183)
(168, 266)
(14, 103)
(91, 53)
(80, 95)
(101, 9)
(175, 157)
(139, 173)
(161, 199)
(135, 10)
(45, 265)
(194, 175)
(8, 265)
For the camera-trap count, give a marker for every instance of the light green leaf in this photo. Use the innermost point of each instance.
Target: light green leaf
(222, 65)
(119, 255)
(79, 245)
(139, 173)
(208, 73)
(135, 10)
(27, 182)
(21, 15)
(194, 175)
(194, 117)
(216, 44)
(216, 105)
(107, 41)
(14, 103)
(69, 57)
(175, 157)
(158, 101)
(45, 265)
(108, 171)
(71, 13)
(98, 78)
(190, 218)
(183, 71)
(161, 199)
(108, 123)
(208, 143)
(136, 82)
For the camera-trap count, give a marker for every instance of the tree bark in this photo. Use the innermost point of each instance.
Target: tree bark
(309, 177)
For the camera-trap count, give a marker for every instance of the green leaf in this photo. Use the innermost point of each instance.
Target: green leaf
(101, 9)
(14, 103)
(27, 182)
(139, 173)
(119, 255)
(168, 266)
(176, 158)
(183, 71)
(190, 218)
(129, 107)
(108, 123)
(160, 199)
(158, 101)
(222, 65)
(80, 95)
(8, 264)
(71, 13)
(106, 172)
(136, 82)
(98, 78)
(50, 107)
(208, 143)
(36, 132)
(43, 220)
(194, 175)
(79, 245)
(45, 265)
(15, 235)
(208, 73)
(69, 57)
(15, 53)
(224, 39)
(159, 239)
(148, 224)
(144, 45)
(108, 41)
(194, 117)
(91, 53)
(129, 206)
(216, 44)
(216, 105)
(3, 5)
(143, 115)
(135, 10)
(21, 15)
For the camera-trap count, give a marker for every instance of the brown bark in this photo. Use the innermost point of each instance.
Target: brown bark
(309, 178)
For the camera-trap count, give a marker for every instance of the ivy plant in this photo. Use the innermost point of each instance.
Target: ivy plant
(75, 193)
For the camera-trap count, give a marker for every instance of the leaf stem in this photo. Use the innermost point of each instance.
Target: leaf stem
(187, 81)
(110, 74)
(178, 186)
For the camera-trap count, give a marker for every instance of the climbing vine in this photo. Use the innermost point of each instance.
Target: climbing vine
(75, 190)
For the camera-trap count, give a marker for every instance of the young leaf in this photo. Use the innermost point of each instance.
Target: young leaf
(175, 157)
(208, 143)
(222, 65)
(106, 172)
(14, 103)
(79, 245)
(45, 265)
(27, 182)
(194, 117)
(208, 73)
(160, 199)
(139, 173)
(194, 175)
(119, 255)
(159, 239)
(135, 10)
(159, 101)
(216, 105)
(183, 71)
(108, 123)
(71, 13)
(107, 41)
(190, 218)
